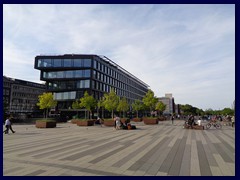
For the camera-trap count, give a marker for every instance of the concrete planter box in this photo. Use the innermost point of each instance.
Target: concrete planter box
(46, 124)
(85, 122)
(162, 118)
(74, 121)
(109, 122)
(150, 121)
(137, 119)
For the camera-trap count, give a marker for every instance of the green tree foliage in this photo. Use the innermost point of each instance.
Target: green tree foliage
(111, 101)
(123, 105)
(88, 102)
(227, 111)
(100, 104)
(46, 102)
(150, 100)
(137, 105)
(160, 107)
(75, 105)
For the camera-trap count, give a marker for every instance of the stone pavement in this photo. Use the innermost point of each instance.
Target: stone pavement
(151, 150)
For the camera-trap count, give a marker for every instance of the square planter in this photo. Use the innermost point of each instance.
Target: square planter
(137, 119)
(45, 124)
(74, 121)
(109, 122)
(85, 122)
(150, 121)
(162, 118)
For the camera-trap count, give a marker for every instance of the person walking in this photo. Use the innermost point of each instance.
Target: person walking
(117, 122)
(172, 118)
(233, 121)
(8, 126)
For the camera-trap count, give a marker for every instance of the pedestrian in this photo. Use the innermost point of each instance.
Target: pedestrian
(100, 121)
(117, 122)
(8, 126)
(233, 121)
(172, 118)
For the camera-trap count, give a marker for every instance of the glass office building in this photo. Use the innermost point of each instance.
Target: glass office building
(69, 76)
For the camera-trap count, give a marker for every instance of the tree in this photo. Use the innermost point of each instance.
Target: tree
(123, 105)
(100, 104)
(46, 102)
(150, 100)
(228, 111)
(137, 105)
(160, 107)
(88, 102)
(75, 105)
(111, 101)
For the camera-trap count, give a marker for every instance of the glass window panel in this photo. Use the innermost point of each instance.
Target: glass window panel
(69, 74)
(95, 64)
(70, 85)
(77, 62)
(59, 95)
(57, 62)
(47, 63)
(78, 84)
(86, 73)
(45, 75)
(78, 73)
(73, 95)
(40, 63)
(65, 95)
(62, 85)
(81, 84)
(67, 63)
(60, 74)
(87, 62)
(87, 83)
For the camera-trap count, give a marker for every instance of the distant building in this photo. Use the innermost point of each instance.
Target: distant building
(21, 96)
(177, 109)
(168, 100)
(69, 76)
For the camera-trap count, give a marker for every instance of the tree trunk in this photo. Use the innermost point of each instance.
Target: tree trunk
(46, 113)
(102, 113)
(137, 114)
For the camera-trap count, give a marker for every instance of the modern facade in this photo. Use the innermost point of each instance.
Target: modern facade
(69, 76)
(168, 100)
(21, 96)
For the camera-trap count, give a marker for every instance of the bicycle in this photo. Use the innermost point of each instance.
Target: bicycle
(215, 124)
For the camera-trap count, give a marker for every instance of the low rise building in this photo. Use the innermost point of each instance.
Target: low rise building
(20, 97)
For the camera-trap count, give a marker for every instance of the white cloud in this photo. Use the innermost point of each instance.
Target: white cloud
(187, 50)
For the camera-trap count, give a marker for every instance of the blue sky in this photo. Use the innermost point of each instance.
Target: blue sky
(187, 50)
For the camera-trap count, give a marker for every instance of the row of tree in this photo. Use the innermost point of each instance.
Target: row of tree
(111, 102)
(190, 110)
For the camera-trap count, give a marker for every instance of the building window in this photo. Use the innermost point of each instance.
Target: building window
(65, 95)
(87, 62)
(57, 63)
(86, 73)
(94, 64)
(67, 63)
(83, 84)
(69, 74)
(77, 62)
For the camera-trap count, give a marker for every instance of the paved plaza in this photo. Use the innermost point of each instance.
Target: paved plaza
(150, 150)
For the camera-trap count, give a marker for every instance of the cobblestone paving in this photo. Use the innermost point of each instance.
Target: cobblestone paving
(150, 150)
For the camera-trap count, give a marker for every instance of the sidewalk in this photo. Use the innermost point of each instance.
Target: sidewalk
(151, 150)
